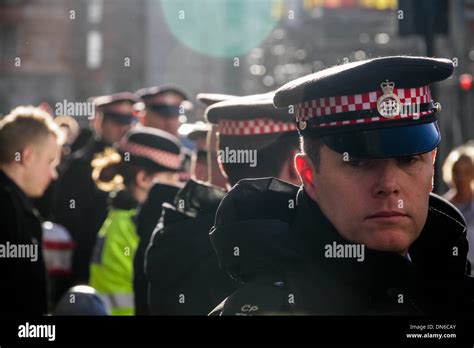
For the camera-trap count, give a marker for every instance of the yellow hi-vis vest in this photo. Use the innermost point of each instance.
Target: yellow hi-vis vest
(111, 270)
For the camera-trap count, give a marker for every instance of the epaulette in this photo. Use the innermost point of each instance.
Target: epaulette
(198, 198)
(258, 297)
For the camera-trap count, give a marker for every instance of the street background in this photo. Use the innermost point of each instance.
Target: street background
(56, 50)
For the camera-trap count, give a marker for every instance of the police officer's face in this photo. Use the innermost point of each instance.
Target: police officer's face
(112, 131)
(381, 203)
(168, 124)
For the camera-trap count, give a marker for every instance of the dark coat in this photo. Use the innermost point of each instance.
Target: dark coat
(148, 215)
(23, 287)
(283, 265)
(47, 203)
(181, 265)
(85, 219)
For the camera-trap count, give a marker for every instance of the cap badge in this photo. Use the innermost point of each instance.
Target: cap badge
(388, 105)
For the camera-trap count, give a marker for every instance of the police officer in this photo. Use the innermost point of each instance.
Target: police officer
(214, 173)
(146, 155)
(181, 265)
(80, 206)
(198, 135)
(364, 234)
(162, 106)
(149, 214)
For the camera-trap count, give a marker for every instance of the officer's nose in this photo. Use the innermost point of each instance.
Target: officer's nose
(387, 176)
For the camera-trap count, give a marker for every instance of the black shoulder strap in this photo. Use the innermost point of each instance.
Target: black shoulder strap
(259, 297)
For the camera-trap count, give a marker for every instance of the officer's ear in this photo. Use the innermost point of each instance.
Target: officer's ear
(433, 155)
(26, 155)
(143, 180)
(140, 114)
(288, 171)
(306, 170)
(96, 122)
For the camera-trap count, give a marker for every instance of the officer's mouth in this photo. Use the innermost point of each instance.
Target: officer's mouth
(387, 215)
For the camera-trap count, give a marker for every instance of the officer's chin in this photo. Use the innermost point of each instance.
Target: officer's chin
(36, 192)
(391, 240)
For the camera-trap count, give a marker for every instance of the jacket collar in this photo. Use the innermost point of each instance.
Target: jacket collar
(94, 145)
(8, 184)
(319, 235)
(432, 251)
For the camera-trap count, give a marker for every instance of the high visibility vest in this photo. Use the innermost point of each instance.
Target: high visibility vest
(111, 271)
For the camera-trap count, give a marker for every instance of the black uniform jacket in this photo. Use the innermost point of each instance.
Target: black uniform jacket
(181, 265)
(273, 238)
(23, 279)
(148, 215)
(81, 207)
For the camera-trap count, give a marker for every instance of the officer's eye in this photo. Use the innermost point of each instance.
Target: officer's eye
(407, 160)
(358, 163)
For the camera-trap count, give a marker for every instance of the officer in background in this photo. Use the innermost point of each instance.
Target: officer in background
(181, 265)
(30, 146)
(198, 135)
(161, 108)
(80, 206)
(366, 235)
(148, 215)
(146, 155)
(214, 173)
(146, 220)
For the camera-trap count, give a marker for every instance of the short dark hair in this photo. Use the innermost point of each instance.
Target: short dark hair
(310, 145)
(273, 152)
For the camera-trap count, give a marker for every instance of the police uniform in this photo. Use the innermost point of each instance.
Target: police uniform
(147, 218)
(112, 261)
(181, 267)
(150, 211)
(281, 233)
(196, 283)
(180, 263)
(80, 206)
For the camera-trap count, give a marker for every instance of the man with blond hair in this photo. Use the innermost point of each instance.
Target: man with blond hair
(30, 144)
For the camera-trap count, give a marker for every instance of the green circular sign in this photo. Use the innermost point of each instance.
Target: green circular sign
(221, 28)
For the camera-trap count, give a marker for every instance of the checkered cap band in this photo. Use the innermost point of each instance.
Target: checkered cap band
(257, 126)
(163, 158)
(366, 101)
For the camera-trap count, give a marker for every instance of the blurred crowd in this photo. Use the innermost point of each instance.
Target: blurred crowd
(100, 191)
